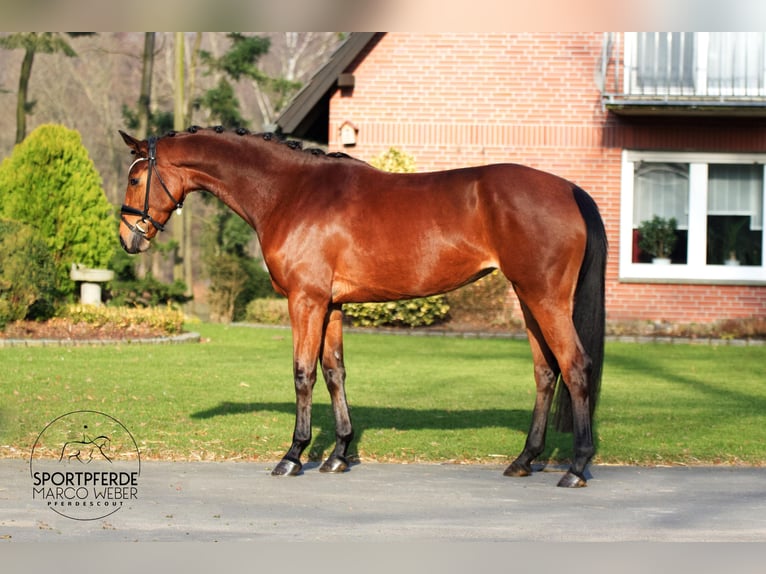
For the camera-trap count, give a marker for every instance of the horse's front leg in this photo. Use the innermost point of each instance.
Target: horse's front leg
(307, 317)
(334, 373)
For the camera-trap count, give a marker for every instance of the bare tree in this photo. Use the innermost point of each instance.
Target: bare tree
(292, 60)
(31, 43)
(145, 98)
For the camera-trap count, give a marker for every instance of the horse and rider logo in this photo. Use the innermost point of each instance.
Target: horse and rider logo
(84, 450)
(85, 466)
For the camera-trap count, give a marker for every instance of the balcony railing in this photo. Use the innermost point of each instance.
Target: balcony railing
(684, 71)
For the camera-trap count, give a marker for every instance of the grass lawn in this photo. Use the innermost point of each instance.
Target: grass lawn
(412, 399)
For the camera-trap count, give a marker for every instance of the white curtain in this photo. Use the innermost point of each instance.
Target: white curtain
(736, 190)
(736, 63)
(665, 62)
(661, 189)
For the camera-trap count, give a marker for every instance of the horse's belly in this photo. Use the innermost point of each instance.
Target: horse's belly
(391, 283)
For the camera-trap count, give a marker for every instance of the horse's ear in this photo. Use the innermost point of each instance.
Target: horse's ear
(132, 142)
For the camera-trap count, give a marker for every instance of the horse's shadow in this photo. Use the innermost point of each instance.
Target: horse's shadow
(368, 418)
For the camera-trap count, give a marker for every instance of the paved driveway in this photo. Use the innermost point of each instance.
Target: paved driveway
(391, 502)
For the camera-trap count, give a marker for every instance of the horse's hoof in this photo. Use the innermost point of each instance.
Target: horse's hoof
(571, 480)
(334, 464)
(287, 467)
(518, 469)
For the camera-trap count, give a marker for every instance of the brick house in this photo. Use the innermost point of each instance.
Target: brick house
(668, 124)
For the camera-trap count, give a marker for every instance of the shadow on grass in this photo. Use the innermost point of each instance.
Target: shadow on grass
(728, 399)
(367, 418)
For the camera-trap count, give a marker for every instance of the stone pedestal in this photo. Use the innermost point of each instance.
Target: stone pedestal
(90, 282)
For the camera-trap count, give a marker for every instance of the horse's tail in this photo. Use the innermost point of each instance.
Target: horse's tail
(589, 308)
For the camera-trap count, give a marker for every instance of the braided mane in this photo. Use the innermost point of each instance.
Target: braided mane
(267, 136)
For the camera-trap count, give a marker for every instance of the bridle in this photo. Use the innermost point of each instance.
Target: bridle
(144, 215)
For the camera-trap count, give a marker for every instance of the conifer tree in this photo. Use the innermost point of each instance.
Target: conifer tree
(51, 183)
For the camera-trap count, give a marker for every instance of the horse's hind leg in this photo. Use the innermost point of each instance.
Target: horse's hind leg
(334, 373)
(555, 332)
(546, 374)
(560, 334)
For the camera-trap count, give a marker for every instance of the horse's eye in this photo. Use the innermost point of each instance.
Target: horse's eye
(133, 181)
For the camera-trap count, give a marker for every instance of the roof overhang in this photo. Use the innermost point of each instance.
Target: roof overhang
(687, 107)
(311, 104)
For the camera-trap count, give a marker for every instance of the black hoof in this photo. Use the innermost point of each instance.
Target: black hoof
(518, 469)
(571, 480)
(287, 467)
(334, 464)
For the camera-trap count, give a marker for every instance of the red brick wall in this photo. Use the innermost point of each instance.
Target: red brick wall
(456, 100)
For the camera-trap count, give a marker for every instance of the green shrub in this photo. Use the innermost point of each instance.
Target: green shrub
(50, 182)
(227, 281)
(486, 302)
(395, 161)
(146, 292)
(26, 274)
(411, 313)
(257, 286)
(420, 312)
(127, 289)
(269, 311)
(166, 319)
(236, 277)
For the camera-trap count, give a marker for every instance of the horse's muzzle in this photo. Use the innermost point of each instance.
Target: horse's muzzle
(135, 242)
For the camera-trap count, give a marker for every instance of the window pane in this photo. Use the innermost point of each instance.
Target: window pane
(665, 62)
(735, 214)
(661, 189)
(736, 63)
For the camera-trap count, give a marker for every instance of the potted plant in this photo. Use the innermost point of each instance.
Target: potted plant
(657, 236)
(731, 241)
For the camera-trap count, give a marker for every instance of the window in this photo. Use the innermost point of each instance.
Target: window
(717, 201)
(735, 215)
(661, 189)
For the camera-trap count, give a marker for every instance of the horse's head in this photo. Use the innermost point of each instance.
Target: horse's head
(149, 202)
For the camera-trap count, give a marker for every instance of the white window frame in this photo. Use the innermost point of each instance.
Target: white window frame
(695, 270)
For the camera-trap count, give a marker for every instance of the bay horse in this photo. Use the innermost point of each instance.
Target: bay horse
(335, 230)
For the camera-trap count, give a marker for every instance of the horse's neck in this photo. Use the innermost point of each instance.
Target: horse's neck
(243, 175)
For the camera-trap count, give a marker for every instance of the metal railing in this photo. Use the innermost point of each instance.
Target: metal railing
(713, 67)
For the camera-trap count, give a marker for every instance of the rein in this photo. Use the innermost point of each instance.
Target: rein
(144, 215)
